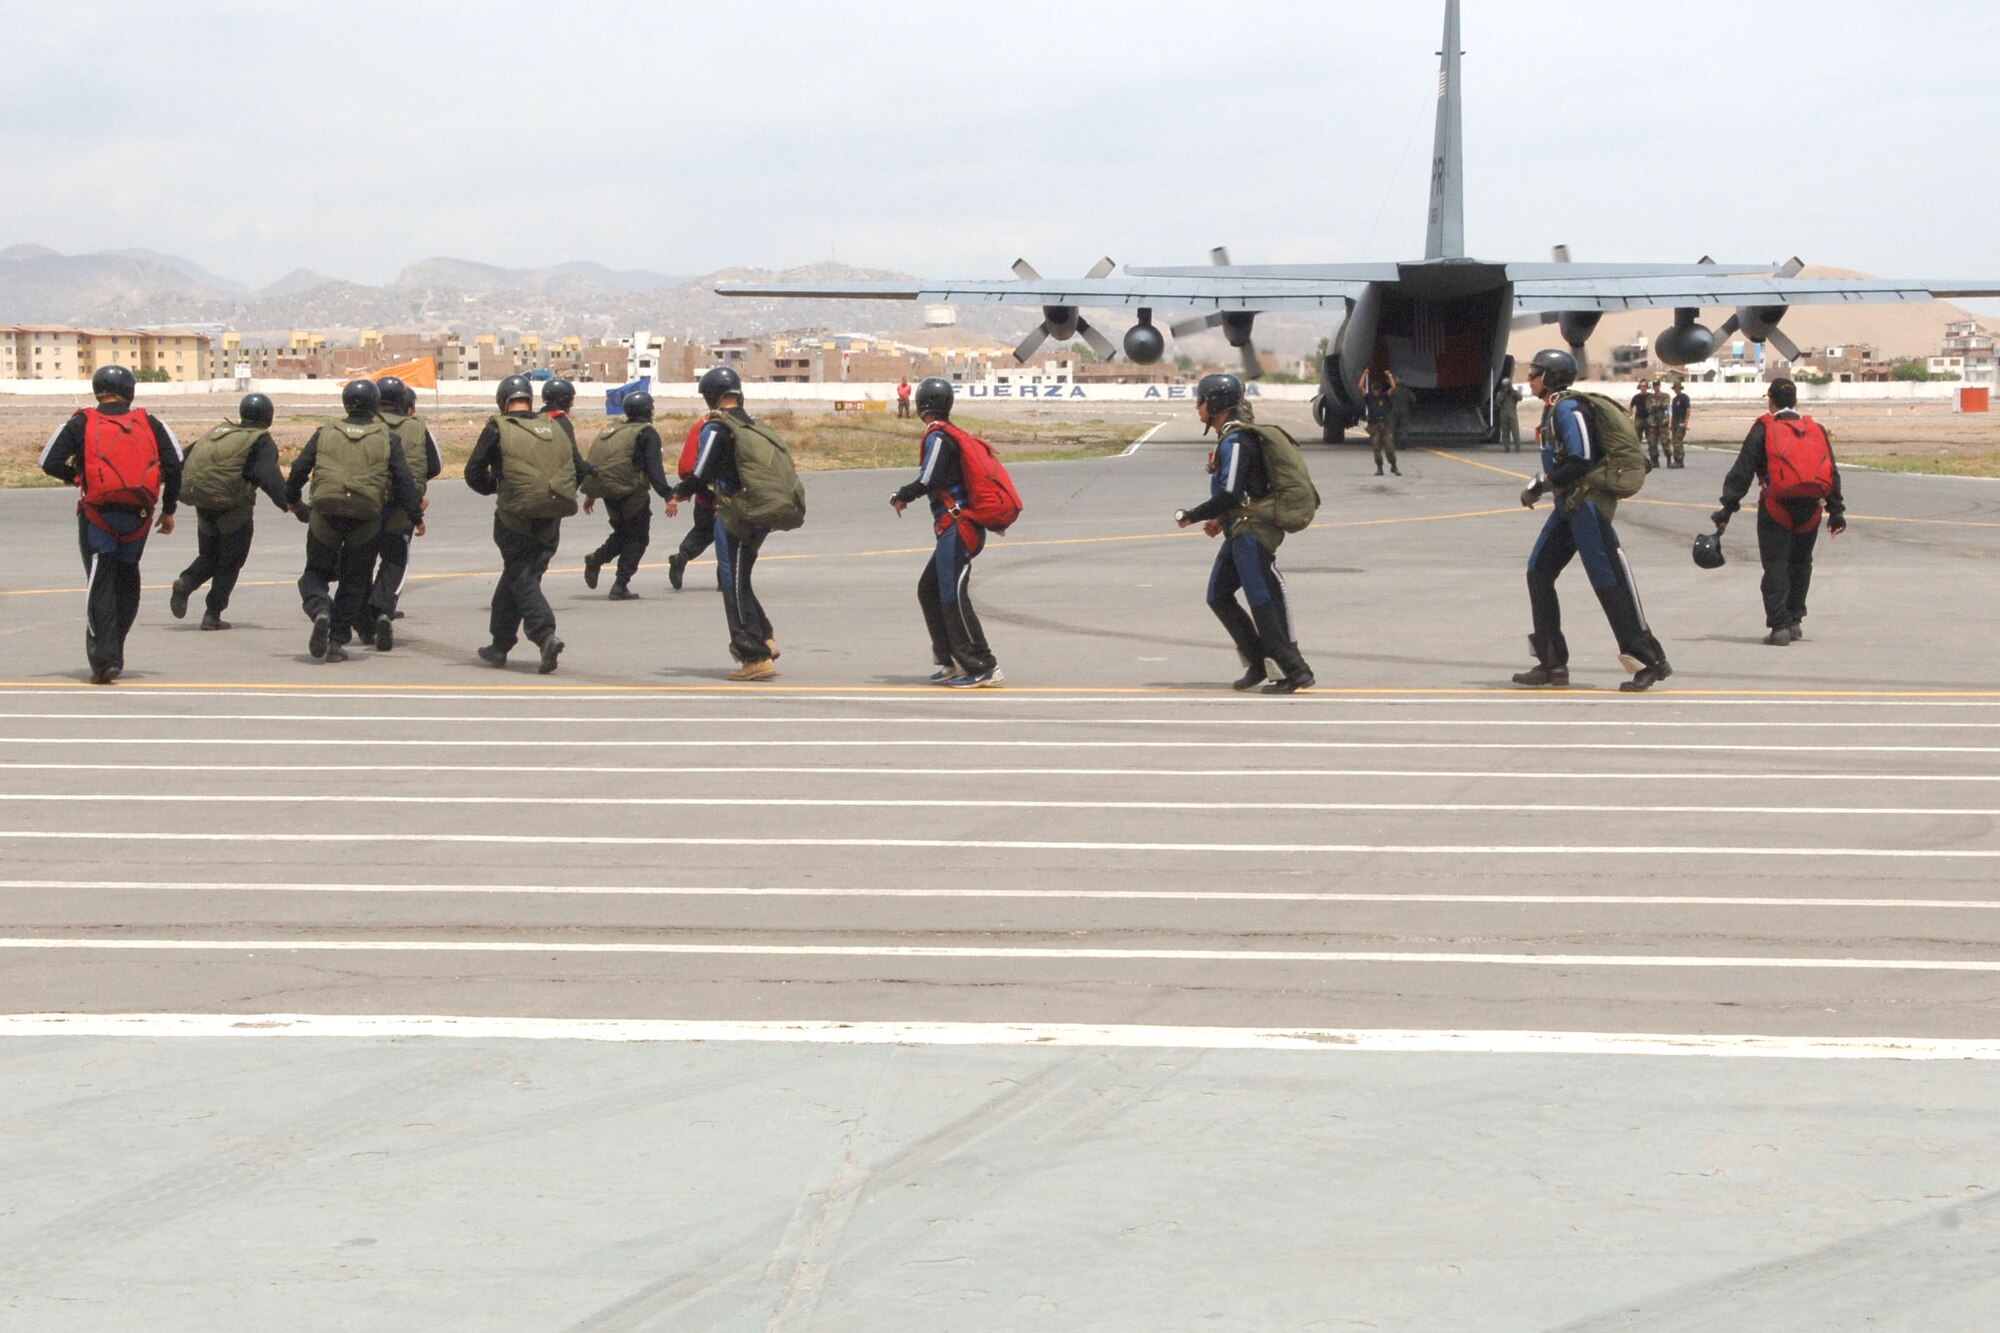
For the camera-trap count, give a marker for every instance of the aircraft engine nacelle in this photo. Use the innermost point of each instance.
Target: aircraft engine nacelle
(1144, 344)
(1236, 327)
(1686, 342)
(1759, 321)
(1061, 321)
(1578, 325)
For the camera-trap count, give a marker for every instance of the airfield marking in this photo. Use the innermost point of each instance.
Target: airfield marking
(1288, 896)
(1687, 504)
(1018, 845)
(986, 803)
(815, 770)
(1133, 447)
(1321, 1041)
(848, 720)
(1202, 693)
(126, 944)
(813, 743)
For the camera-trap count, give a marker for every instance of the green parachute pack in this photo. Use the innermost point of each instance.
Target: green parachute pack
(1294, 500)
(213, 477)
(537, 470)
(351, 470)
(772, 496)
(1623, 470)
(617, 477)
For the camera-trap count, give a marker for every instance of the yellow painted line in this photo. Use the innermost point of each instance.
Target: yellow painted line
(1009, 545)
(1689, 504)
(1548, 698)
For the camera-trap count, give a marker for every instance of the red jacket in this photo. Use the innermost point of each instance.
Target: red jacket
(690, 449)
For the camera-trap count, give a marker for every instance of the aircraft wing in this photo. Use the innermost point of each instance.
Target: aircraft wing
(1640, 293)
(1207, 291)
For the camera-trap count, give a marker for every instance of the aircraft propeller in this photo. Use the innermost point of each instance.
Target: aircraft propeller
(1760, 323)
(1063, 322)
(1235, 324)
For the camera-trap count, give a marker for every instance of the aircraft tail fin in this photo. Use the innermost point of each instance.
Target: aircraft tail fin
(1446, 236)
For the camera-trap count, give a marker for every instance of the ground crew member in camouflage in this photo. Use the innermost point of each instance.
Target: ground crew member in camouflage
(392, 552)
(1378, 404)
(1678, 412)
(221, 475)
(1657, 408)
(1642, 411)
(1507, 410)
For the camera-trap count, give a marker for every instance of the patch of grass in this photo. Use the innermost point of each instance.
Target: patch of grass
(821, 441)
(1958, 464)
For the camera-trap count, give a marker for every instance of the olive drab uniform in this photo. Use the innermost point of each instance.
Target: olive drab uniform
(220, 477)
(1656, 416)
(1678, 418)
(1642, 412)
(420, 451)
(1507, 416)
(1378, 405)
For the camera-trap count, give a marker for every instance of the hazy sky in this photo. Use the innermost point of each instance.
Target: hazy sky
(947, 138)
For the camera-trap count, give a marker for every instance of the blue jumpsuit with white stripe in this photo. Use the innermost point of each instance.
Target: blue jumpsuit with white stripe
(1570, 450)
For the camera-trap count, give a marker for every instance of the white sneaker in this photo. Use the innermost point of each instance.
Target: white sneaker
(984, 680)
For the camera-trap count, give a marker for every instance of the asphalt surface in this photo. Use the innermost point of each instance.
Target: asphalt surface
(1411, 1002)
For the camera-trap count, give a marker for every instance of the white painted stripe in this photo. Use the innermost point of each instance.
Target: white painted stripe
(817, 770)
(1134, 447)
(320, 795)
(820, 743)
(961, 723)
(359, 840)
(1321, 1041)
(310, 944)
(1054, 895)
(1078, 696)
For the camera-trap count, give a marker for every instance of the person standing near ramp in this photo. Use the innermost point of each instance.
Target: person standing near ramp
(1590, 460)
(1678, 412)
(757, 491)
(1507, 410)
(1258, 491)
(626, 455)
(220, 477)
(1378, 404)
(420, 451)
(127, 466)
(530, 463)
(970, 494)
(357, 470)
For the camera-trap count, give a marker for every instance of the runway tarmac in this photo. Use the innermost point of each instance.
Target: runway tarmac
(408, 993)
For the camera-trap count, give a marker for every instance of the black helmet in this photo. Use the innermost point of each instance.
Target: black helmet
(254, 410)
(114, 380)
(933, 397)
(396, 395)
(358, 397)
(638, 405)
(514, 386)
(558, 394)
(716, 381)
(1708, 550)
(1220, 392)
(1558, 369)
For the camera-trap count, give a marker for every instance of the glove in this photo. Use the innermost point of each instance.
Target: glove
(1836, 523)
(1720, 518)
(1533, 492)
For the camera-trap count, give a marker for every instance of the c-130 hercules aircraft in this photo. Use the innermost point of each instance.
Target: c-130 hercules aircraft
(1440, 323)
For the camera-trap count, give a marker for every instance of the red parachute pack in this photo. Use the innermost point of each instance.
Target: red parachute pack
(121, 462)
(990, 498)
(1798, 464)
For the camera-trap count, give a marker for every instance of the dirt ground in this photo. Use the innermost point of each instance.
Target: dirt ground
(1900, 437)
(821, 440)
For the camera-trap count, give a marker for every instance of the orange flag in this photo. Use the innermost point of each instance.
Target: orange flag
(421, 373)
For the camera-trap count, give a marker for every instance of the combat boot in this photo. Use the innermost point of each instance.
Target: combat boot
(676, 569)
(1551, 669)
